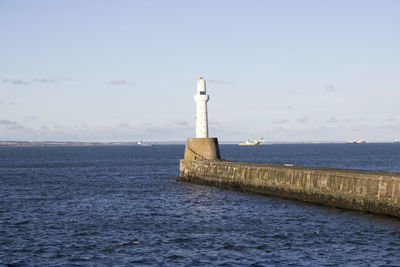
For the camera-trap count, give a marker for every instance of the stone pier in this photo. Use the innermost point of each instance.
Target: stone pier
(368, 191)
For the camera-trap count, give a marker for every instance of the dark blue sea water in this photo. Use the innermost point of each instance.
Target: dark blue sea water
(121, 206)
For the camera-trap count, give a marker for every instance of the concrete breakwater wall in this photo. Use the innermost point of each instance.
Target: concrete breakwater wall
(369, 191)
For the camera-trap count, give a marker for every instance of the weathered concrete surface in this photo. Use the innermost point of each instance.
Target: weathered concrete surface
(202, 149)
(369, 191)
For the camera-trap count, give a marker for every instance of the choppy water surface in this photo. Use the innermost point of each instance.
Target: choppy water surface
(121, 206)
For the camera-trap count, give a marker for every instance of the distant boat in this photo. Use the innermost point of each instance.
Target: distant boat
(255, 142)
(356, 142)
(397, 141)
(249, 143)
(140, 143)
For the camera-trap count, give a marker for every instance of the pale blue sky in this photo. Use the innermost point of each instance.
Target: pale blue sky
(127, 70)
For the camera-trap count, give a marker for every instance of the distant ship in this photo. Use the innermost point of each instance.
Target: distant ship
(397, 141)
(255, 142)
(249, 143)
(140, 143)
(356, 142)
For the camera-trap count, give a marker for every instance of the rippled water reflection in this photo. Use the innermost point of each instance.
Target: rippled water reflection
(121, 206)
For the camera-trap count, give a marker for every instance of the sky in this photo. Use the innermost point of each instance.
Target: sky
(96, 70)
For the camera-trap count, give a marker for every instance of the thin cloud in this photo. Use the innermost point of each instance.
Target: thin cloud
(332, 120)
(38, 80)
(15, 82)
(8, 103)
(302, 120)
(66, 79)
(10, 125)
(122, 82)
(45, 128)
(280, 122)
(297, 93)
(220, 81)
(7, 122)
(30, 119)
(45, 80)
(123, 125)
(181, 123)
(331, 88)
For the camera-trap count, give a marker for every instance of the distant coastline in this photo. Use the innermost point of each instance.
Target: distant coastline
(70, 143)
(133, 143)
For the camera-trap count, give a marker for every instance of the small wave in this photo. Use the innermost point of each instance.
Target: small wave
(129, 243)
(22, 222)
(181, 240)
(174, 257)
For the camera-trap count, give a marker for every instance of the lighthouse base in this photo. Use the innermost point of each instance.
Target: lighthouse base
(202, 149)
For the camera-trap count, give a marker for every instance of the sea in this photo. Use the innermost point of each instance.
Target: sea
(121, 206)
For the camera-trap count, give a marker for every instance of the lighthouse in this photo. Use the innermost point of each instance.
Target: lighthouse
(202, 147)
(201, 99)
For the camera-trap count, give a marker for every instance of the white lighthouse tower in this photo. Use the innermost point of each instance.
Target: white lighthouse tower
(201, 99)
(202, 147)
